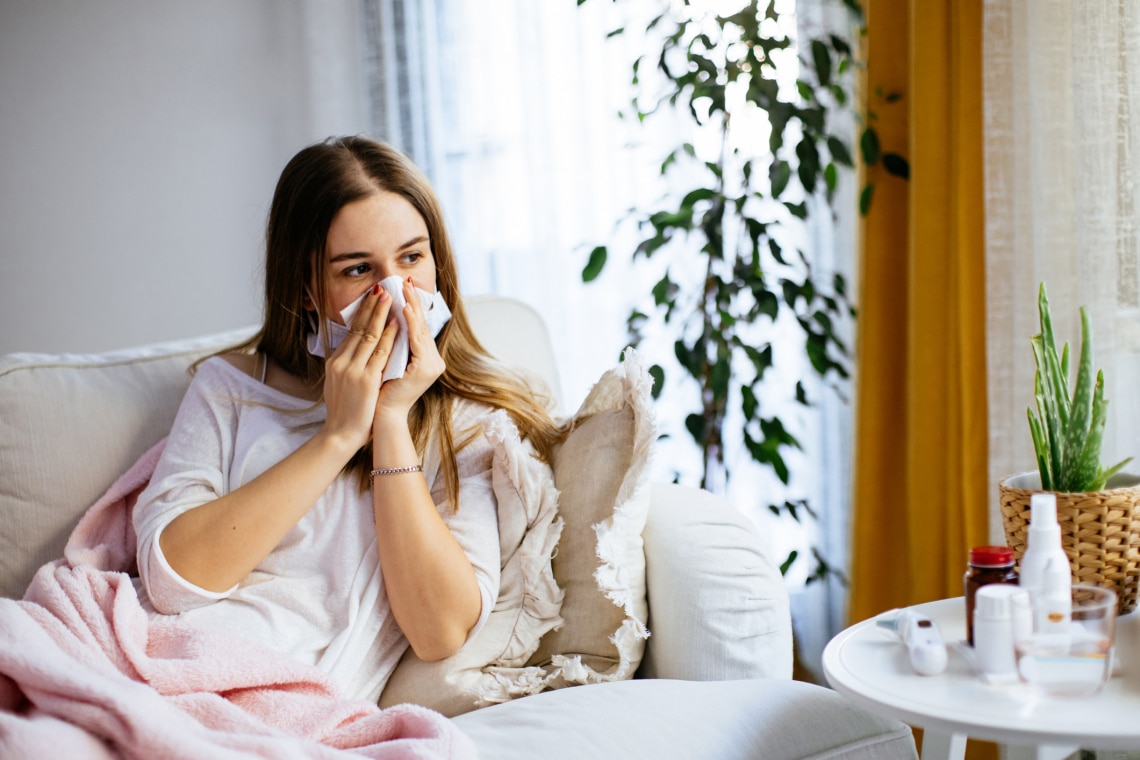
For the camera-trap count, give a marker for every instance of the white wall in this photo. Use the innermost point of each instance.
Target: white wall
(139, 147)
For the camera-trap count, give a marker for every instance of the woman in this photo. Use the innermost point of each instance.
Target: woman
(306, 502)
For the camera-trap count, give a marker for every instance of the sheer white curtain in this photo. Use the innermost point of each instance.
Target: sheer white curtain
(1062, 125)
(509, 106)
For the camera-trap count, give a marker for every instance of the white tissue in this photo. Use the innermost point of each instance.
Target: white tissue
(436, 314)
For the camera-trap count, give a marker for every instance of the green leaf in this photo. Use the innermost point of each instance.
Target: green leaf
(766, 303)
(865, 198)
(798, 210)
(1106, 475)
(830, 177)
(663, 290)
(1080, 413)
(761, 358)
(787, 563)
(839, 152)
(808, 170)
(695, 424)
(594, 265)
(777, 251)
(793, 509)
(869, 143)
(615, 32)
(1041, 448)
(748, 402)
(1084, 471)
(658, 375)
(816, 346)
(700, 194)
(821, 57)
(801, 394)
(780, 174)
(1048, 408)
(896, 165)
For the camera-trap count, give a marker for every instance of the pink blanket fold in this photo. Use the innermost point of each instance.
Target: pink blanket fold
(85, 673)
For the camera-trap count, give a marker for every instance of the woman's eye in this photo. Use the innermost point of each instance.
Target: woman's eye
(413, 257)
(356, 271)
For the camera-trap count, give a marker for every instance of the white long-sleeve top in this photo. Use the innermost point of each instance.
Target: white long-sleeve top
(319, 596)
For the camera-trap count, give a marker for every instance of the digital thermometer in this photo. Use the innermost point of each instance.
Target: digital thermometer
(922, 638)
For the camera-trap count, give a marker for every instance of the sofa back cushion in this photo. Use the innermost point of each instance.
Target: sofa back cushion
(71, 424)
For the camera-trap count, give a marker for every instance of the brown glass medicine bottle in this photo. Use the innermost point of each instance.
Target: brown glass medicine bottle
(988, 564)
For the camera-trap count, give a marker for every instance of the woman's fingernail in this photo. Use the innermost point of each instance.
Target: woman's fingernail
(376, 289)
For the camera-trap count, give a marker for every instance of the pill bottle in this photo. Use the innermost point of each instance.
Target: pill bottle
(987, 564)
(1002, 617)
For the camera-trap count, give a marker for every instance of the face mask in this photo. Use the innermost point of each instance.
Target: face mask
(436, 314)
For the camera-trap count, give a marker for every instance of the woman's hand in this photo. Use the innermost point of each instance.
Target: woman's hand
(353, 373)
(425, 365)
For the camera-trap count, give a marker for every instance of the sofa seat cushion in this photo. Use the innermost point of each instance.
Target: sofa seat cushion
(652, 719)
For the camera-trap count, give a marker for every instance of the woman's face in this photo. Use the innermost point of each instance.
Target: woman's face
(372, 239)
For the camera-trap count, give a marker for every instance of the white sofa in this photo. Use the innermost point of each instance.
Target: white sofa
(716, 678)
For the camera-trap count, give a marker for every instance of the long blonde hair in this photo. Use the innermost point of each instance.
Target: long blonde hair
(315, 184)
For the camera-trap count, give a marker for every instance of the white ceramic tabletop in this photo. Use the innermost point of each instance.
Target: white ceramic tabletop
(869, 666)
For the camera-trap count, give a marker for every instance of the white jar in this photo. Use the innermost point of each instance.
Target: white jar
(1001, 617)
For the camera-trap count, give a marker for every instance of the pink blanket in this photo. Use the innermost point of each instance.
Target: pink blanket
(85, 673)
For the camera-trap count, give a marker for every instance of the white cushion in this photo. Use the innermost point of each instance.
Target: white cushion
(726, 720)
(70, 425)
(718, 608)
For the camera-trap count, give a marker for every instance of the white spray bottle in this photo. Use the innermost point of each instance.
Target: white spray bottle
(1045, 571)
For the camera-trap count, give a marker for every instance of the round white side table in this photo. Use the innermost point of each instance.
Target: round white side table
(870, 667)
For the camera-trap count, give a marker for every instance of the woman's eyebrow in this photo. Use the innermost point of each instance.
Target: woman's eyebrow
(348, 256)
(414, 241)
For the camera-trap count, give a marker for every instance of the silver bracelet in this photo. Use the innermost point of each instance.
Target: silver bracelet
(393, 471)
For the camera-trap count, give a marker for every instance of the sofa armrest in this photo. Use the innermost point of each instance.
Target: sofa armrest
(718, 607)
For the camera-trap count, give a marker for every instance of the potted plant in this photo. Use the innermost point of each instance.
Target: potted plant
(1098, 508)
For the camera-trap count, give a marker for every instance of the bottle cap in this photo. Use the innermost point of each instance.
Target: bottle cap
(993, 602)
(991, 556)
(1043, 513)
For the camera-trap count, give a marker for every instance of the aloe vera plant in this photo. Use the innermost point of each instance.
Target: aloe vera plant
(1068, 432)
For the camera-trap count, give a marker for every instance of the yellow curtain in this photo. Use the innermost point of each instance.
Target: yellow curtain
(921, 470)
(920, 486)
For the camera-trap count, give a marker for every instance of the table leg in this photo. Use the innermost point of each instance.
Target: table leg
(1040, 752)
(940, 746)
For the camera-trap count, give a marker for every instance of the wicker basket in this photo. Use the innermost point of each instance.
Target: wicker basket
(1100, 531)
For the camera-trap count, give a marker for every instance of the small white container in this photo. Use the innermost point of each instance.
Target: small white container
(1001, 618)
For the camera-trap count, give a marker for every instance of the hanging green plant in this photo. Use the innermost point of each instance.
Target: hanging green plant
(734, 217)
